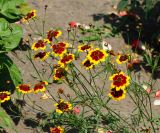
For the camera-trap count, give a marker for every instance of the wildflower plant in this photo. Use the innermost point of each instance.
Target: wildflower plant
(96, 77)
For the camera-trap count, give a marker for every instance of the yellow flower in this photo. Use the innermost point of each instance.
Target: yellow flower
(24, 88)
(30, 15)
(47, 41)
(40, 87)
(84, 47)
(41, 55)
(4, 96)
(59, 73)
(57, 33)
(56, 130)
(122, 59)
(117, 94)
(60, 49)
(120, 80)
(62, 106)
(39, 45)
(66, 60)
(97, 55)
(87, 64)
(53, 33)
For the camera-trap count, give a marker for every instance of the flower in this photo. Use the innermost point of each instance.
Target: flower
(86, 27)
(106, 45)
(157, 94)
(62, 106)
(53, 33)
(156, 102)
(145, 87)
(59, 73)
(66, 59)
(60, 48)
(60, 91)
(47, 41)
(73, 24)
(97, 55)
(45, 96)
(29, 16)
(40, 87)
(117, 94)
(41, 55)
(122, 13)
(122, 59)
(24, 88)
(100, 130)
(109, 131)
(56, 130)
(87, 64)
(85, 47)
(135, 43)
(4, 96)
(76, 110)
(120, 81)
(39, 45)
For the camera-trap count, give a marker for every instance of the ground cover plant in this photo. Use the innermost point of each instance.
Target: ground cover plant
(10, 37)
(94, 78)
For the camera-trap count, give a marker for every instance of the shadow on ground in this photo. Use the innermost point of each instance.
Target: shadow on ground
(137, 26)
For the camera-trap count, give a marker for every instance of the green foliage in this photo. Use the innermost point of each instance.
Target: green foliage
(10, 36)
(7, 66)
(96, 33)
(12, 10)
(5, 121)
(122, 5)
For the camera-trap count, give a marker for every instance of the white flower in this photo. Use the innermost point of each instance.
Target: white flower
(45, 96)
(86, 27)
(144, 87)
(143, 47)
(78, 24)
(106, 45)
(157, 102)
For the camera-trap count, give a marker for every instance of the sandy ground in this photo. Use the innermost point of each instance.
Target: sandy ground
(59, 13)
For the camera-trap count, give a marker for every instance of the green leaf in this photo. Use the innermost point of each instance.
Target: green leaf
(12, 10)
(10, 35)
(122, 5)
(91, 38)
(5, 119)
(10, 70)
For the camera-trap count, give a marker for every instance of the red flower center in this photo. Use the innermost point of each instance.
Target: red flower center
(59, 48)
(40, 43)
(38, 86)
(40, 55)
(55, 33)
(29, 15)
(62, 106)
(50, 35)
(123, 58)
(24, 87)
(66, 58)
(96, 55)
(3, 96)
(119, 80)
(85, 47)
(116, 93)
(60, 72)
(87, 63)
(55, 130)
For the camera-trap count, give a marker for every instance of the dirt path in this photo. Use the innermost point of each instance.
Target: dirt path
(59, 13)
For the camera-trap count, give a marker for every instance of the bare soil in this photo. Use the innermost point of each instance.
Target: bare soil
(59, 14)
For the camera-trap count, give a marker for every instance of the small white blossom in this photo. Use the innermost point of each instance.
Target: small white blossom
(106, 45)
